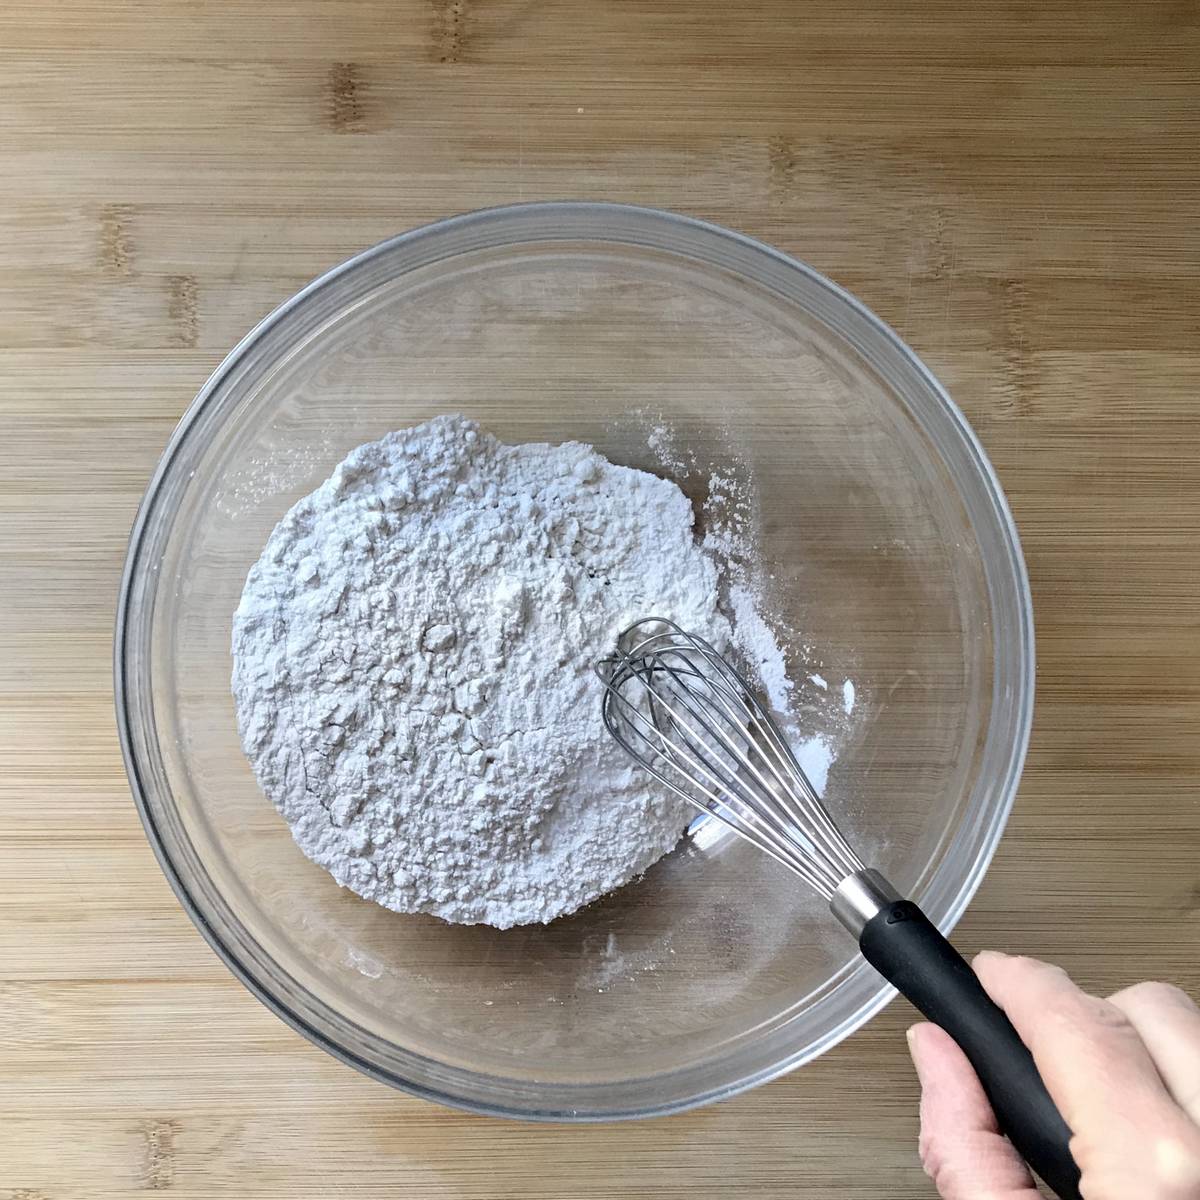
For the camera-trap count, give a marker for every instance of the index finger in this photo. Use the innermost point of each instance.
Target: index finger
(1093, 1061)
(1169, 1025)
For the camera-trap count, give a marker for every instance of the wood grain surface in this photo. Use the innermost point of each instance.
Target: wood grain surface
(1015, 186)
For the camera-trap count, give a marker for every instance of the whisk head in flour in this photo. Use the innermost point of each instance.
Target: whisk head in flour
(678, 707)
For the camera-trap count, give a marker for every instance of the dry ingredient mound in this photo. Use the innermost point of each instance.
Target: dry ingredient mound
(413, 670)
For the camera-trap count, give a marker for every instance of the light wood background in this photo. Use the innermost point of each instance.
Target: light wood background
(1015, 186)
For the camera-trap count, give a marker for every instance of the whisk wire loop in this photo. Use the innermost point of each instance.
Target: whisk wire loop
(677, 706)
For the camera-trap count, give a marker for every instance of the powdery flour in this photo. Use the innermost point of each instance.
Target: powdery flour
(413, 670)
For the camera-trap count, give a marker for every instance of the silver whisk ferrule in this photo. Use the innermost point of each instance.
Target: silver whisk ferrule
(689, 718)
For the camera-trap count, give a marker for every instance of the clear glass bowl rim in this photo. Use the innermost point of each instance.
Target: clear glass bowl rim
(637, 227)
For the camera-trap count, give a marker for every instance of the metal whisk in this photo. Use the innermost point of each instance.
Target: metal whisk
(690, 718)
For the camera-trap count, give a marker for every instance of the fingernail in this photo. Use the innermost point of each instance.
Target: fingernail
(989, 954)
(910, 1036)
(913, 1037)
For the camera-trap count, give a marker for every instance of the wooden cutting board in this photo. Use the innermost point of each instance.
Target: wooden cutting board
(1014, 186)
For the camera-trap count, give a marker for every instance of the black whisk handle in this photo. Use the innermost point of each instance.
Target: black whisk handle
(905, 947)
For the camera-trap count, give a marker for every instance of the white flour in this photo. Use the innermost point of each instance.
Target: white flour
(413, 670)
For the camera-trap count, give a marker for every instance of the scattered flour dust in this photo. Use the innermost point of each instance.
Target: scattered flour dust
(730, 540)
(412, 670)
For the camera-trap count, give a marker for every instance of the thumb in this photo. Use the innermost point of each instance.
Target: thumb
(962, 1148)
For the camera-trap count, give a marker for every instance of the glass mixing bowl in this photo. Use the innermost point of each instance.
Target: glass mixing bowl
(887, 547)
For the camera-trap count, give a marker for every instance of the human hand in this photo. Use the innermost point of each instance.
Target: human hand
(1124, 1072)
